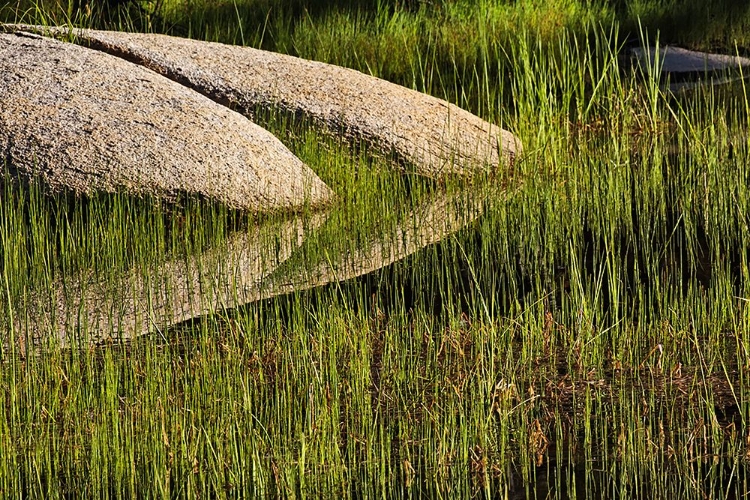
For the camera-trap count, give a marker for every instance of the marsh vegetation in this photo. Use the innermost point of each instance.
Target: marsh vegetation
(585, 335)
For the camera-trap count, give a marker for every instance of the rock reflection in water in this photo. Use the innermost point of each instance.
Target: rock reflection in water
(428, 223)
(247, 268)
(144, 300)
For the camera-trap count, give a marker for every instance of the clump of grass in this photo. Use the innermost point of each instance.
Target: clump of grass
(586, 337)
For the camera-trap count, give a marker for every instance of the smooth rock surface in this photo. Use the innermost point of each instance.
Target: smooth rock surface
(86, 121)
(678, 60)
(685, 69)
(432, 136)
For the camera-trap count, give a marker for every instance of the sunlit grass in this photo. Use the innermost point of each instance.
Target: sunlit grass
(586, 337)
